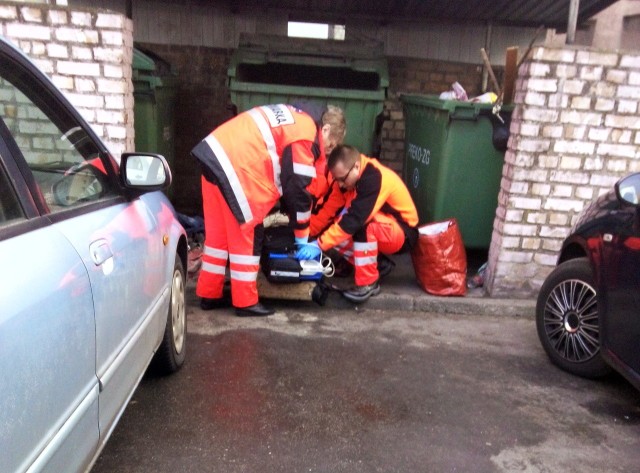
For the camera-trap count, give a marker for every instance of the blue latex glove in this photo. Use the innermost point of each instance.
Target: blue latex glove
(301, 241)
(308, 251)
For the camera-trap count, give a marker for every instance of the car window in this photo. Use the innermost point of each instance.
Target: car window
(63, 158)
(10, 209)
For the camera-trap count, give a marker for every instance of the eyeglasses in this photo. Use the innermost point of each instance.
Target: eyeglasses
(344, 178)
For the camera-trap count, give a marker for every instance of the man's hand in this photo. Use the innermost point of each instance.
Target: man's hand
(308, 251)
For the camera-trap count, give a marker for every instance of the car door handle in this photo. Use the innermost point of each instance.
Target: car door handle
(100, 251)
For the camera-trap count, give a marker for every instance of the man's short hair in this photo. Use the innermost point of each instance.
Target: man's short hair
(334, 116)
(345, 154)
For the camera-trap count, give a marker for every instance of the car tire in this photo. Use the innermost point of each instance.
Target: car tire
(172, 350)
(567, 319)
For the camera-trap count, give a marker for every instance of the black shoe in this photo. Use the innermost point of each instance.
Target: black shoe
(210, 304)
(255, 310)
(362, 293)
(385, 265)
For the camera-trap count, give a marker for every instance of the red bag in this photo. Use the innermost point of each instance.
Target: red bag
(439, 259)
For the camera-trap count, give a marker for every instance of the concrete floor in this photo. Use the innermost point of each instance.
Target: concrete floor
(317, 390)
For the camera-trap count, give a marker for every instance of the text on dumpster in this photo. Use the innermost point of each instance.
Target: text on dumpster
(419, 153)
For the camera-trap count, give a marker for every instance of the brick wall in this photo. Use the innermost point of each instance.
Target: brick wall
(418, 76)
(87, 54)
(574, 133)
(35, 134)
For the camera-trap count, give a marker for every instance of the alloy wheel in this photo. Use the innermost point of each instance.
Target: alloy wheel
(571, 321)
(178, 312)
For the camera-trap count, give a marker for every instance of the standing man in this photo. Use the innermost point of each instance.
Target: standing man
(249, 163)
(379, 216)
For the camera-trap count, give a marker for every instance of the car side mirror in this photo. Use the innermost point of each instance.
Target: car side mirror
(144, 172)
(628, 189)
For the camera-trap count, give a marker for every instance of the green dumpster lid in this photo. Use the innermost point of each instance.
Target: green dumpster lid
(433, 101)
(142, 62)
(348, 56)
(150, 72)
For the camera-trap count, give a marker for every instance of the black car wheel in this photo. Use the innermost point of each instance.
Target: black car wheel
(567, 319)
(171, 352)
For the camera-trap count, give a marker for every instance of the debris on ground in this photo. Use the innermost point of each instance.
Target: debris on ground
(477, 280)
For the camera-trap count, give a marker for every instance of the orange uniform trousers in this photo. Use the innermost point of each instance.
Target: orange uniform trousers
(382, 234)
(227, 240)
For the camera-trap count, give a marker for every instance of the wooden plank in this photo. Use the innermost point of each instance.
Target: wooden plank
(510, 75)
(288, 291)
(487, 64)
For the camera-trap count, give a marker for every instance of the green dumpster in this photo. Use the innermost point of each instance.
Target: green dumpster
(452, 166)
(354, 76)
(154, 88)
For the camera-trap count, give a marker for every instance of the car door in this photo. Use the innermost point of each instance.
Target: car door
(118, 241)
(620, 286)
(48, 384)
(122, 249)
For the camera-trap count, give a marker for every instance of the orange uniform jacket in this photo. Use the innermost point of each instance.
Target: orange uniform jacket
(379, 189)
(327, 209)
(263, 154)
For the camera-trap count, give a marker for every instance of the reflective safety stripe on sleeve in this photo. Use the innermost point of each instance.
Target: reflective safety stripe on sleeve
(303, 216)
(234, 181)
(345, 249)
(304, 170)
(270, 143)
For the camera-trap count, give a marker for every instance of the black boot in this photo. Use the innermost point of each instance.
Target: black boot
(385, 265)
(362, 293)
(255, 310)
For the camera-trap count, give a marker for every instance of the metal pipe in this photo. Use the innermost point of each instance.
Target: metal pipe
(574, 8)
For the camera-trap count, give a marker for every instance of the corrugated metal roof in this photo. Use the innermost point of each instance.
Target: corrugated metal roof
(531, 13)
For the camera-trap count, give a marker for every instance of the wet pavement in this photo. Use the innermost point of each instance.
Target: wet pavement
(330, 390)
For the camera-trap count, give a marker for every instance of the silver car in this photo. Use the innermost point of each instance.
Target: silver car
(92, 288)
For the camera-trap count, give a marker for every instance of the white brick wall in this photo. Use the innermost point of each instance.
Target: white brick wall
(574, 133)
(88, 55)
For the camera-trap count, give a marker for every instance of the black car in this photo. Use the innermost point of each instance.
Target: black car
(588, 309)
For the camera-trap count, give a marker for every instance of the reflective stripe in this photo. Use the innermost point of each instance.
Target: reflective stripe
(267, 136)
(234, 181)
(244, 275)
(244, 259)
(343, 244)
(364, 246)
(216, 252)
(348, 253)
(365, 260)
(304, 170)
(213, 268)
(303, 216)
(285, 274)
